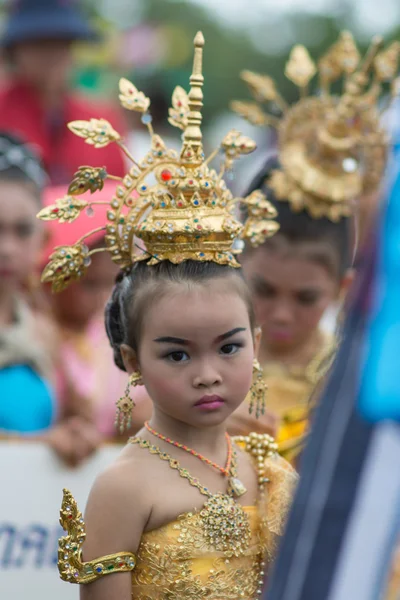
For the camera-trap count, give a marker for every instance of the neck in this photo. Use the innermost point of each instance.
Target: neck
(203, 439)
(7, 298)
(298, 355)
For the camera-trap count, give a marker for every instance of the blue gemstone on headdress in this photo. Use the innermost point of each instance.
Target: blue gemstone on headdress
(201, 254)
(99, 569)
(163, 204)
(143, 188)
(146, 118)
(196, 202)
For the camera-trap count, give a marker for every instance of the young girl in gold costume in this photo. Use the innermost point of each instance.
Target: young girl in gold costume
(185, 511)
(331, 150)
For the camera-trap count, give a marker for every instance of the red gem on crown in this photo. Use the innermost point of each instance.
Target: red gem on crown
(166, 175)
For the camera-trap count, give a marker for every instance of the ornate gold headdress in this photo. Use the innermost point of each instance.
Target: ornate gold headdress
(332, 148)
(179, 207)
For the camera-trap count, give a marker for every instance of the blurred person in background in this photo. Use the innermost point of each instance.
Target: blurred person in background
(87, 377)
(37, 103)
(324, 167)
(294, 277)
(28, 342)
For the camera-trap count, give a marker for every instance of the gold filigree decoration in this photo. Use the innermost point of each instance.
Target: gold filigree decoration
(332, 146)
(262, 86)
(96, 132)
(178, 113)
(300, 69)
(234, 145)
(131, 98)
(169, 206)
(386, 63)
(87, 179)
(253, 113)
(67, 264)
(260, 223)
(65, 210)
(70, 565)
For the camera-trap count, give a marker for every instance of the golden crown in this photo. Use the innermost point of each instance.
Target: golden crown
(176, 204)
(332, 148)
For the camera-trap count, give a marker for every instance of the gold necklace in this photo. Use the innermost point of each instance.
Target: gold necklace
(225, 524)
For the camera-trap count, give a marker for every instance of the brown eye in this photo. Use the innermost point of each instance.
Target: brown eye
(24, 230)
(263, 289)
(178, 356)
(308, 298)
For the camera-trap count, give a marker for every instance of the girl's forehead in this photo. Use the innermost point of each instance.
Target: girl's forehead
(17, 201)
(196, 312)
(289, 268)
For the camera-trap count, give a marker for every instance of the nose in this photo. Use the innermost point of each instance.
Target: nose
(8, 246)
(282, 313)
(206, 376)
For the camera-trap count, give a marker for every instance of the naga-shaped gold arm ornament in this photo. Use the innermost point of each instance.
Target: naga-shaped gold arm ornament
(70, 564)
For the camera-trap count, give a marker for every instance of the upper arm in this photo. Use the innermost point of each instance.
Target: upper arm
(115, 518)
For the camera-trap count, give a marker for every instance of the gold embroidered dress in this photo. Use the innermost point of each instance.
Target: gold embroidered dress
(181, 559)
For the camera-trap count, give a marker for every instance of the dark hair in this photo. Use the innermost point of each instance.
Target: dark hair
(335, 240)
(135, 290)
(19, 163)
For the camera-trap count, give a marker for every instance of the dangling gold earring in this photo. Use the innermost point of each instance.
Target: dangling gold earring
(258, 390)
(125, 405)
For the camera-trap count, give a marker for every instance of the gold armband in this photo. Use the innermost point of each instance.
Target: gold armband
(70, 565)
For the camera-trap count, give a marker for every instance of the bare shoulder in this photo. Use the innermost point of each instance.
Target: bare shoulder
(118, 508)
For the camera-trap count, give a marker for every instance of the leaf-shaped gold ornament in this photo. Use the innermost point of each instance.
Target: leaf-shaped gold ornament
(252, 112)
(67, 264)
(260, 223)
(65, 210)
(96, 132)
(262, 86)
(348, 54)
(178, 113)
(387, 62)
(87, 178)
(342, 57)
(235, 144)
(300, 69)
(131, 98)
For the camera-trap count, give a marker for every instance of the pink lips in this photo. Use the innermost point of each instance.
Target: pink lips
(210, 402)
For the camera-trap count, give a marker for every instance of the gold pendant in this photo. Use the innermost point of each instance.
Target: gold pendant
(237, 486)
(226, 525)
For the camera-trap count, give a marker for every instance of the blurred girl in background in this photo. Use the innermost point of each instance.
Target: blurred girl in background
(87, 377)
(28, 344)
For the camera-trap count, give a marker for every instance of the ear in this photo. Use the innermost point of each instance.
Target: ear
(346, 283)
(130, 359)
(257, 340)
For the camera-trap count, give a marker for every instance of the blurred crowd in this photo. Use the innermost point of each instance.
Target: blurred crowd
(58, 382)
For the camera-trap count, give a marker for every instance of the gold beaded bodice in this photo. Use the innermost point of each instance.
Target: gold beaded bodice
(181, 561)
(175, 562)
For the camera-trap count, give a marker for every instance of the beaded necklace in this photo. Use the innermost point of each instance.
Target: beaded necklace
(223, 470)
(225, 524)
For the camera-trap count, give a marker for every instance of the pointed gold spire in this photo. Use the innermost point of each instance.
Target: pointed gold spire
(192, 149)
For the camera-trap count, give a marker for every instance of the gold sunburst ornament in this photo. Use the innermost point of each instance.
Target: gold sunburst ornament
(332, 147)
(176, 205)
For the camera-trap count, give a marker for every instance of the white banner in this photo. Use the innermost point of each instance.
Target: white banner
(31, 484)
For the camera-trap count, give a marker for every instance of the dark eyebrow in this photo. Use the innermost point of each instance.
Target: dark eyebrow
(171, 340)
(230, 333)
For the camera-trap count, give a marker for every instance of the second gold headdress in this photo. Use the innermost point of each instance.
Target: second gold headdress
(332, 147)
(174, 204)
